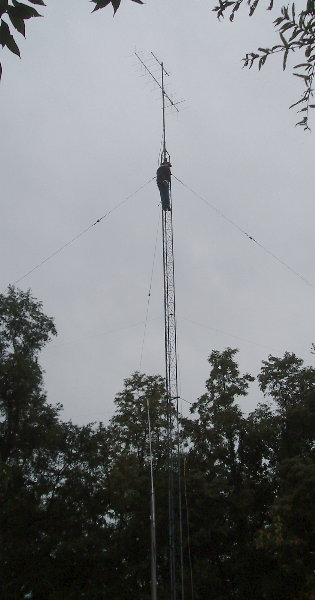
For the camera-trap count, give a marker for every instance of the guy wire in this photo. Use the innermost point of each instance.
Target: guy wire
(81, 233)
(149, 293)
(250, 237)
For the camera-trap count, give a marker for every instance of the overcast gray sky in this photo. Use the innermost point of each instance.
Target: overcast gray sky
(81, 131)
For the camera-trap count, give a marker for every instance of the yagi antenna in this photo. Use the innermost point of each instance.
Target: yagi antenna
(165, 96)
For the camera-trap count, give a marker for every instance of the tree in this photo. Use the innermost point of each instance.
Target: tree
(288, 534)
(128, 427)
(27, 425)
(129, 482)
(24, 330)
(53, 487)
(250, 483)
(297, 35)
(75, 500)
(224, 489)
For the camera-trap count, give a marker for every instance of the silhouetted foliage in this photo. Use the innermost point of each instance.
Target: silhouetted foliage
(75, 501)
(18, 12)
(296, 36)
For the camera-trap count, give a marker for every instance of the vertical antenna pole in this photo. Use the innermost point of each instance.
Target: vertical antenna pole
(152, 516)
(163, 105)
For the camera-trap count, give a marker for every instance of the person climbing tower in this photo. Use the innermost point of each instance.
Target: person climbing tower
(163, 180)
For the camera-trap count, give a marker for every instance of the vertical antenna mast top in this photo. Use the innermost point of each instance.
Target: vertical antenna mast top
(165, 96)
(163, 72)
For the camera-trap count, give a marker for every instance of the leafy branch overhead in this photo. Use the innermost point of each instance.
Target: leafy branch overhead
(17, 13)
(297, 35)
(115, 3)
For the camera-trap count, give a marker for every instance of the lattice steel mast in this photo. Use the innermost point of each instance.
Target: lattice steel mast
(171, 381)
(171, 374)
(172, 395)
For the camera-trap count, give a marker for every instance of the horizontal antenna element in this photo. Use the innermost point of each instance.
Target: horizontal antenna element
(161, 86)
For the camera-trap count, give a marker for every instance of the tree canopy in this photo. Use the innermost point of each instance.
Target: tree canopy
(75, 500)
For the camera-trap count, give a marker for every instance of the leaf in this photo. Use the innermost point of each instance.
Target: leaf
(0, 71)
(6, 39)
(16, 22)
(116, 5)
(298, 102)
(253, 8)
(285, 12)
(284, 41)
(294, 34)
(287, 26)
(3, 6)
(138, 1)
(305, 77)
(41, 2)
(278, 21)
(301, 65)
(22, 11)
(100, 4)
(262, 61)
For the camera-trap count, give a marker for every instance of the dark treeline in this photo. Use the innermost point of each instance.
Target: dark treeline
(75, 500)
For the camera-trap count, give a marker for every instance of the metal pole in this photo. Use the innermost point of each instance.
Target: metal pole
(163, 105)
(152, 517)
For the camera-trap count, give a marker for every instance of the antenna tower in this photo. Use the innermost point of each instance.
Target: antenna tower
(176, 567)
